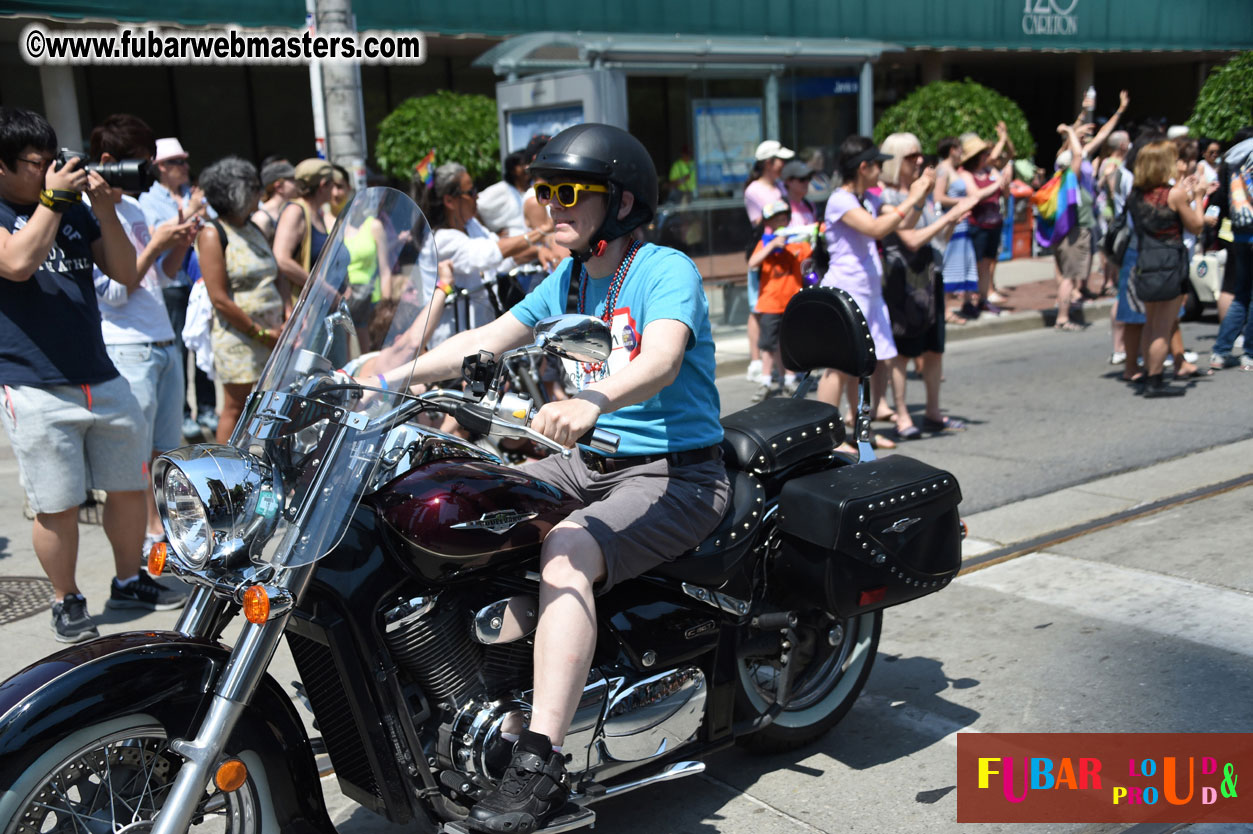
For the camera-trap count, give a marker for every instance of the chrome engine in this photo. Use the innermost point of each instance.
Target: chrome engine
(473, 669)
(619, 723)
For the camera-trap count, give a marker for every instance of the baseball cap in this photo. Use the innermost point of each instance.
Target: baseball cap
(169, 148)
(796, 170)
(311, 171)
(770, 149)
(776, 207)
(276, 171)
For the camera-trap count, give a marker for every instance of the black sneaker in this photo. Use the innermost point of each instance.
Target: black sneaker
(532, 789)
(70, 620)
(145, 592)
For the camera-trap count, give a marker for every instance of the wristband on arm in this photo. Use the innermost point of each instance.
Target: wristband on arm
(59, 200)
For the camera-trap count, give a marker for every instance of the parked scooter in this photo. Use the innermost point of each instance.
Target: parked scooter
(400, 564)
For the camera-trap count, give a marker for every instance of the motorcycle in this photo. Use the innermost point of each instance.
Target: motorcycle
(400, 565)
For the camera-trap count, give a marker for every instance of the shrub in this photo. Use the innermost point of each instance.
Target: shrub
(950, 108)
(461, 128)
(1226, 101)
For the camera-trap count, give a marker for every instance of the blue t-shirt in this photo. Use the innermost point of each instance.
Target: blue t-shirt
(661, 284)
(50, 324)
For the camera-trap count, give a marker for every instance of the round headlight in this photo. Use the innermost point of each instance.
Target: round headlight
(186, 519)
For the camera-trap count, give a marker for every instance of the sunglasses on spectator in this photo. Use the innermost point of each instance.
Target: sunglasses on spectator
(181, 161)
(469, 192)
(566, 193)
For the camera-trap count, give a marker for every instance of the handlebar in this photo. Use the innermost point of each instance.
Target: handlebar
(512, 417)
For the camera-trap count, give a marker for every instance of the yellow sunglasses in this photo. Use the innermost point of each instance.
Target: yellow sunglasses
(566, 193)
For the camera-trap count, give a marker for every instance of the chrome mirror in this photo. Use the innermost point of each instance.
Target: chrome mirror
(581, 338)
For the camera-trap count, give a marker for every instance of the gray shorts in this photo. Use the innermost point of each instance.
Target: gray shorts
(155, 375)
(657, 513)
(69, 438)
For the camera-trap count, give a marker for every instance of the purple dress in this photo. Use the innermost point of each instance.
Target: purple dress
(856, 268)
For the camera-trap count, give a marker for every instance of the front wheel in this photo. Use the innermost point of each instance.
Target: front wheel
(114, 777)
(833, 660)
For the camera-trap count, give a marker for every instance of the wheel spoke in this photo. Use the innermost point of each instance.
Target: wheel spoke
(148, 772)
(75, 815)
(136, 770)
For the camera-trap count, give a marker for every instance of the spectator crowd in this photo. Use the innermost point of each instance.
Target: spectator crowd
(109, 288)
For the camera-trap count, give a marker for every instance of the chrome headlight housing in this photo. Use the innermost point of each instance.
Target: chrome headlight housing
(212, 499)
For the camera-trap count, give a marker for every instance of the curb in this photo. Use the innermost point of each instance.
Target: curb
(1027, 526)
(1000, 325)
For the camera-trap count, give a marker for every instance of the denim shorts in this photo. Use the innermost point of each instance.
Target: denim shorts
(156, 378)
(69, 438)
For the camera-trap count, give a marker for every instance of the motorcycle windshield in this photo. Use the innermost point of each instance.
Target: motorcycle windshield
(318, 416)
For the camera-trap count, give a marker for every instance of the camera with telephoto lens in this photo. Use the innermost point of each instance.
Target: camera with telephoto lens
(132, 175)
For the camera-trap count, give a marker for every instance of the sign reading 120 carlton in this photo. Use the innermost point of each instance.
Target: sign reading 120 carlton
(1050, 17)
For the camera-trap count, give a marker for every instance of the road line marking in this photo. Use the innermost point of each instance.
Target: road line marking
(1047, 540)
(1139, 598)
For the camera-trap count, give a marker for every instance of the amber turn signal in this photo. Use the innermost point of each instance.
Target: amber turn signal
(156, 559)
(256, 605)
(231, 775)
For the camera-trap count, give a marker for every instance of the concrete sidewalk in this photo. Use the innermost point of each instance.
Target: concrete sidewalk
(1028, 283)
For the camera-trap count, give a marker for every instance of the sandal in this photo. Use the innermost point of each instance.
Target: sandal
(1070, 327)
(953, 318)
(911, 433)
(1192, 373)
(1134, 378)
(943, 424)
(881, 441)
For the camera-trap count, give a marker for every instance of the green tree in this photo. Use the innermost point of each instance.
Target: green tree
(1226, 101)
(950, 108)
(460, 128)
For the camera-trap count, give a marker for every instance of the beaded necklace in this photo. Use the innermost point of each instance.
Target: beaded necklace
(611, 299)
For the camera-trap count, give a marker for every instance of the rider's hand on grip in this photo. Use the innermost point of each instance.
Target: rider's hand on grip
(600, 440)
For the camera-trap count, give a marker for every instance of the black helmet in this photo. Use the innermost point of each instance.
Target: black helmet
(606, 154)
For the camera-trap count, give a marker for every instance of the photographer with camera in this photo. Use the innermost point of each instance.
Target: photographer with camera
(71, 418)
(137, 331)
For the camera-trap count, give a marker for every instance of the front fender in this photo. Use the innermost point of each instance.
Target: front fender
(170, 677)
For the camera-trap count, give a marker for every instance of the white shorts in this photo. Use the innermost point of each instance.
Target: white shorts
(71, 438)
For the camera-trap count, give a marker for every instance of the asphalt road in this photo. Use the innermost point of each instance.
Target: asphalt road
(1142, 627)
(1046, 410)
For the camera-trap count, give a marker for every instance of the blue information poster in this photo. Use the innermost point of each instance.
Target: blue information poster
(523, 124)
(727, 133)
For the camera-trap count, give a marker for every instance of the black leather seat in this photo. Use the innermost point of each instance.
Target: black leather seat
(716, 558)
(776, 433)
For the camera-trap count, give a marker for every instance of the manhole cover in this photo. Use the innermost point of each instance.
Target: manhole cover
(22, 596)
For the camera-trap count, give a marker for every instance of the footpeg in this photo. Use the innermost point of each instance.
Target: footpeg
(569, 818)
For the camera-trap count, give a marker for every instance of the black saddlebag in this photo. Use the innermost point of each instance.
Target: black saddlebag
(869, 535)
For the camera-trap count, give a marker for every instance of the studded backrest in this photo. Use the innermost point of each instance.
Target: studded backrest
(824, 328)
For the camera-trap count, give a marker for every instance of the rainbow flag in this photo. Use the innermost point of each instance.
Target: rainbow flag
(425, 169)
(1056, 207)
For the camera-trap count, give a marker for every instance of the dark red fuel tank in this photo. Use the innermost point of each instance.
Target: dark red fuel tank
(450, 516)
